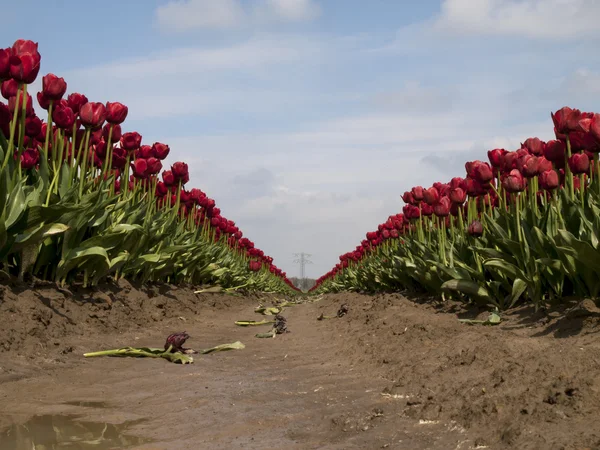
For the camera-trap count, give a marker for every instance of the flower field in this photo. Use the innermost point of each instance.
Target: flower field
(84, 199)
(520, 228)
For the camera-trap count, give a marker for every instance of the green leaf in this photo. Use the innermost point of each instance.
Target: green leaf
(16, 204)
(468, 288)
(518, 288)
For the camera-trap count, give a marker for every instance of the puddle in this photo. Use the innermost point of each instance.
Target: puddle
(53, 432)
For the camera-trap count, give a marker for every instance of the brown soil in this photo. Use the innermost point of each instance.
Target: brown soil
(392, 373)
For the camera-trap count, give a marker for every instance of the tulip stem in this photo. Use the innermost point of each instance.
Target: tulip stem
(48, 129)
(13, 127)
(568, 174)
(22, 130)
(84, 162)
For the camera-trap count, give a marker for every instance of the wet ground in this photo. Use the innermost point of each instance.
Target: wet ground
(391, 374)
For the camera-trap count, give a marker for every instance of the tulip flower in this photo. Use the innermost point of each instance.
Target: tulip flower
(168, 178)
(12, 105)
(431, 196)
(140, 168)
(116, 132)
(4, 63)
(63, 117)
(93, 115)
(549, 180)
(116, 113)
(154, 166)
(76, 101)
(566, 120)
(579, 163)
(30, 158)
(161, 151)
(514, 182)
(555, 151)
(442, 208)
(176, 341)
(534, 146)
(458, 196)
(53, 87)
(24, 61)
(131, 141)
(528, 165)
(475, 229)
(496, 157)
(145, 151)
(408, 198)
(9, 88)
(417, 193)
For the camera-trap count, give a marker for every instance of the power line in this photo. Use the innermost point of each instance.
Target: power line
(302, 259)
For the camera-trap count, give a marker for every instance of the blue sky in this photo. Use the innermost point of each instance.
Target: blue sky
(307, 119)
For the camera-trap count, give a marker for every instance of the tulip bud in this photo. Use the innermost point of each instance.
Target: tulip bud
(92, 115)
(528, 165)
(475, 229)
(63, 117)
(116, 132)
(176, 341)
(180, 172)
(549, 180)
(131, 141)
(33, 126)
(145, 151)
(442, 208)
(161, 151)
(417, 193)
(4, 63)
(53, 87)
(534, 146)
(496, 157)
(555, 151)
(431, 196)
(116, 113)
(458, 196)
(29, 158)
(514, 182)
(76, 101)
(579, 163)
(168, 178)
(9, 89)
(24, 61)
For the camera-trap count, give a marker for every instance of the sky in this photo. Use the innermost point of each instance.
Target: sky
(307, 119)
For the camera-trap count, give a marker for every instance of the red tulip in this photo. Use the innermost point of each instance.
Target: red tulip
(76, 101)
(442, 208)
(33, 126)
(9, 89)
(4, 63)
(5, 118)
(30, 158)
(549, 180)
(168, 178)
(514, 182)
(119, 158)
(555, 151)
(180, 171)
(43, 101)
(63, 117)
(161, 151)
(25, 61)
(566, 120)
(509, 161)
(116, 113)
(53, 87)
(426, 210)
(544, 165)
(140, 168)
(154, 166)
(131, 141)
(475, 229)
(92, 114)
(534, 145)
(417, 193)
(408, 198)
(12, 105)
(116, 132)
(145, 151)
(480, 171)
(528, 165)
(458, 196)
(161, 189)
(431, 196)
(579, 163)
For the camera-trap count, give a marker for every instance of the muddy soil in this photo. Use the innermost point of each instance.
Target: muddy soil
(393, 373)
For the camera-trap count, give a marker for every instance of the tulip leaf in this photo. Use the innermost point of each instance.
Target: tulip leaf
(16, 204)
(467, 288)
(518, 288)
(37, 234)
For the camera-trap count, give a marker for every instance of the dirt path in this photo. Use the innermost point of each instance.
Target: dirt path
(392, 374)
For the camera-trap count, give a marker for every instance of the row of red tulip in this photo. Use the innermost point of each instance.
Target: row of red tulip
(91, 135)
(537, 169)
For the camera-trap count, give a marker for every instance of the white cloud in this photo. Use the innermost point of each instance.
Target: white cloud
(539, 19)
(186, 15)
